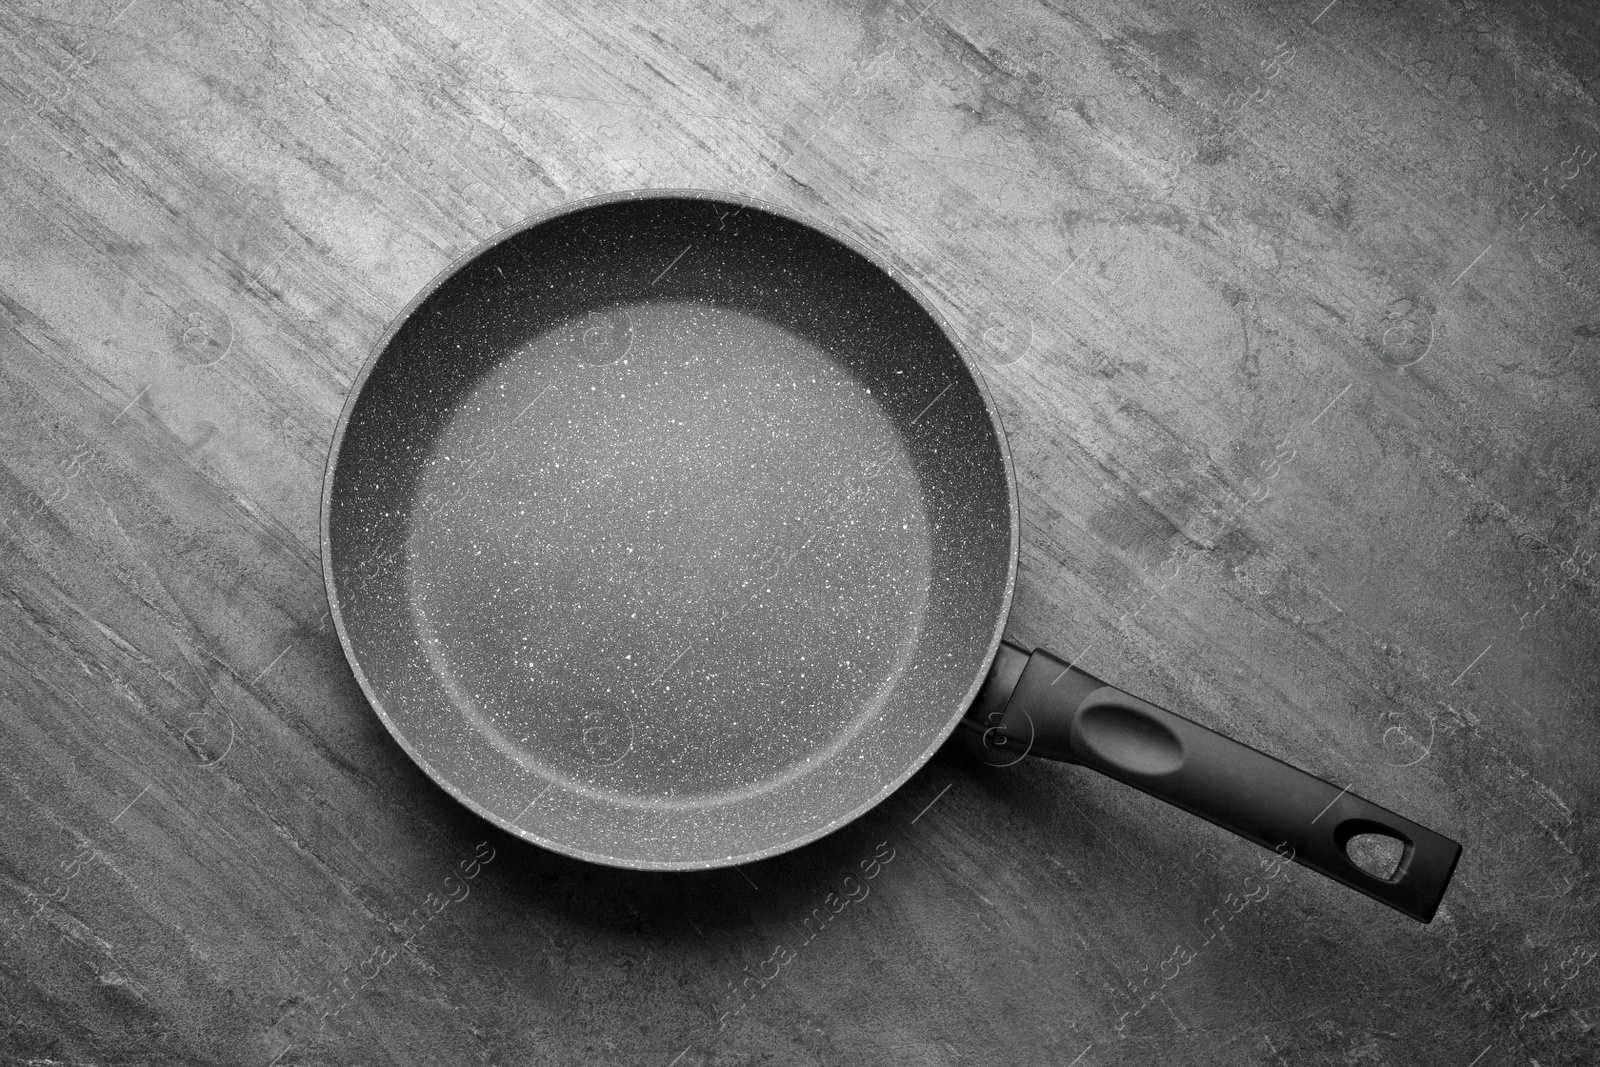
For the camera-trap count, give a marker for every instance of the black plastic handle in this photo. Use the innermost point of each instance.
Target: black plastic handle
(1035, 704)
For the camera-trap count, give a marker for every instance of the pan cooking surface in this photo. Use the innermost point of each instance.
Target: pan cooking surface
(695, 482)
(669, 532)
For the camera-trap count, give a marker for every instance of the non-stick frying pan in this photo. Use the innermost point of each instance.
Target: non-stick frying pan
(670, 531)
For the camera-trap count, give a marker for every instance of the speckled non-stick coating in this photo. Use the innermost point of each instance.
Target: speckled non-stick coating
(667, 531)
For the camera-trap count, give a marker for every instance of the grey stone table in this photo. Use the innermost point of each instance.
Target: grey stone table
(1292, 313)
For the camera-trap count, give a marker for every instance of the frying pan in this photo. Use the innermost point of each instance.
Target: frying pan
(671, 531)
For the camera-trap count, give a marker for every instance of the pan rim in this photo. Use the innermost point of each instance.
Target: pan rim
(460, 262)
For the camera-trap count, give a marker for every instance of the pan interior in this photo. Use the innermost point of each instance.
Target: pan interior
(675, 516)
(688, 528)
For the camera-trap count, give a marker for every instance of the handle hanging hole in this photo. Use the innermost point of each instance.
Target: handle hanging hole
(1377, 854)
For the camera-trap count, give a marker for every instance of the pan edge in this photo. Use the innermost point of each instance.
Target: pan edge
(882, 263)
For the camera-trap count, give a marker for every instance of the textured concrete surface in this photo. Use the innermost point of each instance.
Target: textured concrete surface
(1292, 312)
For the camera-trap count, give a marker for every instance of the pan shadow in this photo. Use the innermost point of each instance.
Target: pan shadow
(696, 911)
(674, 953)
